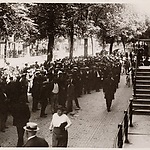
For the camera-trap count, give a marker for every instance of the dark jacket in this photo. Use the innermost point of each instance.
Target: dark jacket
(3, 103)
(21, 114)
(36, 88)
(108, 88)
(36, 142)
(13, 91)
(45, 92)
(70, 92)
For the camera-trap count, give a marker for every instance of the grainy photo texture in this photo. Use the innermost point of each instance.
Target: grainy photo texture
(75, 75)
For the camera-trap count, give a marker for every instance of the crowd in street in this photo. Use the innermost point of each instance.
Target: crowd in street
(60, 83)
(142, 51)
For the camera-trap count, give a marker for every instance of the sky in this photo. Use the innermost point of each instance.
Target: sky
(142, 7)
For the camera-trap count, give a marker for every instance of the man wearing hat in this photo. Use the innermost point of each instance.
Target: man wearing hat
(44, 97)
(31, 129)
(35, 91)
(24, 88)
(36, 65)
(21, 115)
(25, 68)
(54, 94)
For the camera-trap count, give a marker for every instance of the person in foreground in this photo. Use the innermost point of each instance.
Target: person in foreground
(34, 141)
(59, 125)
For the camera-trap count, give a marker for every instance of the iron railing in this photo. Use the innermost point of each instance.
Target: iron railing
(122, 133)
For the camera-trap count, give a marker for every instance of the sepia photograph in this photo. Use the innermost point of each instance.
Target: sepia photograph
(75, 74)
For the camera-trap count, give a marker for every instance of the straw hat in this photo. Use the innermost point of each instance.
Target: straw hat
(31, 126)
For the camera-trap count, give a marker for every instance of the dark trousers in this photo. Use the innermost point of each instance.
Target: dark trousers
(97, 84)
(54, 102)
(20, 132)
(35, 104)
(108, 103)
(59, 138)
(43, 107)
(80, 88)
(69, 105)
(87, 87)
(62, 98)
(76, 97)
(76, 102)
(3, 118)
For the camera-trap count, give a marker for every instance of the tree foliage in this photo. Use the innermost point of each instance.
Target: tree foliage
(14, 20)
(48, 17)
(109, 22)
(117, 21)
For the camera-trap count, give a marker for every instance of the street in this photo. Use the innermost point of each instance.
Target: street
(92, 126)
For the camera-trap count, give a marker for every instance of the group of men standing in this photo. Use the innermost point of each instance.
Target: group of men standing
(59, 83)
(63, 81)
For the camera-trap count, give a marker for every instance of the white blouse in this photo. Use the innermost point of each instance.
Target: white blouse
(58, 120)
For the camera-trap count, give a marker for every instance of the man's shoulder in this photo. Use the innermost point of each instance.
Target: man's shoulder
(43, 142)
(36, 142)
(39, 138)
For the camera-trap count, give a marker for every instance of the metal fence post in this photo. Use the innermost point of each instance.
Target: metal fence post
(120, 137)
(134, 84)
(131, 112)
(126, 126)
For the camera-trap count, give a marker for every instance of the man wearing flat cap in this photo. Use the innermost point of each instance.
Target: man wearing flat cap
(31, 129)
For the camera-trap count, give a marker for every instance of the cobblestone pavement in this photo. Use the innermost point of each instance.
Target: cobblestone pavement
(92, 126)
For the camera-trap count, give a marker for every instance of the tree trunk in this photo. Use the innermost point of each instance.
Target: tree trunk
(92, 45)
(14, 47)
(5, 51)
(103, 39)
(123, 42)
(71, 46)
(85, 47)
(50, 47)
(111, 45)
(37, 48)
(71, 36)
(31, 50)
(103, 44)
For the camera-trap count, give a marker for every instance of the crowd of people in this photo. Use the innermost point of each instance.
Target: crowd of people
(142, 50)
(60, 83)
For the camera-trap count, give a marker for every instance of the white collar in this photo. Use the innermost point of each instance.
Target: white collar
(31, 137)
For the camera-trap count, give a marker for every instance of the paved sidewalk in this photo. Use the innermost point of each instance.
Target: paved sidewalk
(139, 134)
(92, 126)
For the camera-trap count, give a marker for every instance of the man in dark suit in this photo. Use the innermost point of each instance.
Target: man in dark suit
(44, 91)
(3, 109)
(35, 91)
(71, 95)
(34, 141)
(88, 75)
(62, 95)
(109, 90)
(24, 88)
(13, 91)
(21, 115)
